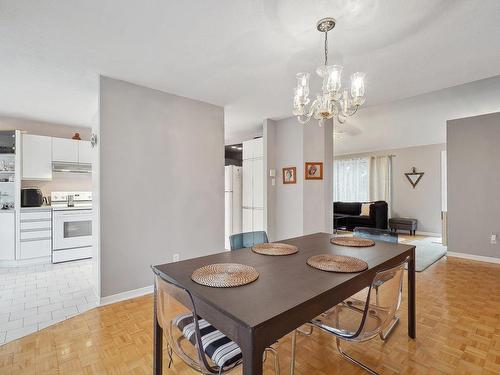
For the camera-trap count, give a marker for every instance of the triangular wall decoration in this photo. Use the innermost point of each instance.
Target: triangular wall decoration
(414, 177)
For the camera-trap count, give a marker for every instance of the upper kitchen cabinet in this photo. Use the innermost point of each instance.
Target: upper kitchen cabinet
(65, 150)
(253, 148)
(37, 157)
(84, 152)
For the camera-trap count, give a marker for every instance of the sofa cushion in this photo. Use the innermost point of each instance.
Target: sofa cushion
(365, 209)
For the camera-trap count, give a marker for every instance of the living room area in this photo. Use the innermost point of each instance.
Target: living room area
(400, 193)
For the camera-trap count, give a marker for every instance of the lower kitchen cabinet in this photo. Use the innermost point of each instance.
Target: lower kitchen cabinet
(36, 234)
(7, 236)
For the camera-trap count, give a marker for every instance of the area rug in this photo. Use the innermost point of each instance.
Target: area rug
(428, 251)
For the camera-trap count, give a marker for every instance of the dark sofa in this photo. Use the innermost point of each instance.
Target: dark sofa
(347, 215)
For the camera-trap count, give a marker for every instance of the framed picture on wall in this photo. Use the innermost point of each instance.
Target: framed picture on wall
(290, 175)
(314, 170)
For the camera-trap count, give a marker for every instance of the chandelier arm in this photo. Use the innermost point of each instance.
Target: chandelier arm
(354, 112)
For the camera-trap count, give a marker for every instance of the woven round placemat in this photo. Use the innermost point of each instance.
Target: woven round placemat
(275, 249)
(225, 275)
(337, 263)
(352, 241)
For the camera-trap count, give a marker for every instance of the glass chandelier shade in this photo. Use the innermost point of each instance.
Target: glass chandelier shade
(333, 101)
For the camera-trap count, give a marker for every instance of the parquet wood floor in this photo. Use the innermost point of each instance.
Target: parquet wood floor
(458, 330)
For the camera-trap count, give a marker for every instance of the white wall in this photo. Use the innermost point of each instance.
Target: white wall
(424, 202)
(419, 120)
(161, 182)
(473, 185)
(304, 207)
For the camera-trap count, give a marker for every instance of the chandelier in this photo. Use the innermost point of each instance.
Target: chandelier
(333, 100)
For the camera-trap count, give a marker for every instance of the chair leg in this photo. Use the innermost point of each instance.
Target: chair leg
(292, 361)
(304, 333)
(352, 360)
(276, 359)
(385, 334)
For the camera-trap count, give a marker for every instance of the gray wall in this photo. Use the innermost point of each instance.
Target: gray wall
(161, 182)
(474, 184)
(304, 207)
(269, 128)
(423, 202)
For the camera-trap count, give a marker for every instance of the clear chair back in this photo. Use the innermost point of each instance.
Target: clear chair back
(172, 302)
(375, 234)
(247, 239)
(360, 320)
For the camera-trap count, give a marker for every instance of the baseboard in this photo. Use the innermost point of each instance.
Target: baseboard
(126, 295)
(479, 258)
(24, 262)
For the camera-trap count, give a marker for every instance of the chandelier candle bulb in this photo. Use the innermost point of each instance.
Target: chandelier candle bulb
(358, 85)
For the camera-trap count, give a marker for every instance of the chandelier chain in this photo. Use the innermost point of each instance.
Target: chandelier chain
(326, 48)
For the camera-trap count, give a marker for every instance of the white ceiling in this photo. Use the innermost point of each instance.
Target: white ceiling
(239, 54)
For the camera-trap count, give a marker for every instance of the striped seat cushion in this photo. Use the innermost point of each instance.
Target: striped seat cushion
(216, 345)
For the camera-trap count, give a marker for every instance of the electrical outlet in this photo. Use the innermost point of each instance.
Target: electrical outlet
(493, 239)
(176, 257)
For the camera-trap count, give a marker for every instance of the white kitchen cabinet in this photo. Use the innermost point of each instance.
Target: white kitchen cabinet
(253, 148)
(258, 182)
(37, 157)
(248, 149)
(247, 217)
(7, 236)
(258, 148)
(65, 150)
(84, 152)
(253, 185)
(247, 184)
(36, 233)
(257, 219)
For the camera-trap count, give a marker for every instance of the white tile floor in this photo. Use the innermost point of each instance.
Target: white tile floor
(37, 296)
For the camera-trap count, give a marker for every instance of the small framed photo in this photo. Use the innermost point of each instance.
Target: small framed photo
(314, 170)
(290, 175)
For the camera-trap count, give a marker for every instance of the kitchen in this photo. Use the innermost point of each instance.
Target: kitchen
(45, 230)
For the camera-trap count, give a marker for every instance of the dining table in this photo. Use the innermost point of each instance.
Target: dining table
(287, 293)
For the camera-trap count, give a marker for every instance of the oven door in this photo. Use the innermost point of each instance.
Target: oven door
(72, 228)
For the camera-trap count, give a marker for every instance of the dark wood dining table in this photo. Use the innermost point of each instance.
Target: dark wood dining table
(287, 294)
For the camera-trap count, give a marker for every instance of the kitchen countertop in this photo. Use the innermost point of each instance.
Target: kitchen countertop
(7, 211)
(65, 208)
(41, 208)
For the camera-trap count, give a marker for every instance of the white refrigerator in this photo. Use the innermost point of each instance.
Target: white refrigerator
(232, 195)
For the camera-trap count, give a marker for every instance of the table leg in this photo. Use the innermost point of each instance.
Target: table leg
(157, 339)
(252, 357)
(411, 297)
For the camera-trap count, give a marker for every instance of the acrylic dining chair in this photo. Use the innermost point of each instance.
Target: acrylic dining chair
(247, 239)
(356, 320)
(386, 236)
(194, 340)
(375, 234)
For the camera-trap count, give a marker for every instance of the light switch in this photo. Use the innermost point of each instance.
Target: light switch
(272, 173)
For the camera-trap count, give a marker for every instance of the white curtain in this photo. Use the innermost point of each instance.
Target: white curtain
(381, 180)
(351, 180)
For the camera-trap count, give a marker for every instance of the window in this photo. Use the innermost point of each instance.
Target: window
(351, 180)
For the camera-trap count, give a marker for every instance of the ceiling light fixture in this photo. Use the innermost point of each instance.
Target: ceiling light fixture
(332, 101)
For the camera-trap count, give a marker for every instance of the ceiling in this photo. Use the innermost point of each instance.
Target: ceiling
(242, 55)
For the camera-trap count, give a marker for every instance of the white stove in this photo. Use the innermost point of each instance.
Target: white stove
(71, 225)
(70, 200)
